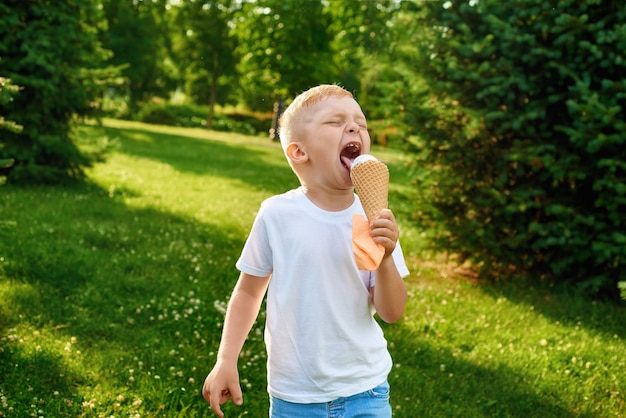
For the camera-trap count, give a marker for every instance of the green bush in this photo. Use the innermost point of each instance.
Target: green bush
(258, 123)
(191, 116)
(158, 115)
(522, 111)
(51, 50)
(7, 91)
(186, 116)
(230, 125)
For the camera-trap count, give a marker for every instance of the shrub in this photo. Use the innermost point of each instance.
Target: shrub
(259, 123)
(51, 50)
(7, 91)
(524, 121)
(158, 114)
(193, 116)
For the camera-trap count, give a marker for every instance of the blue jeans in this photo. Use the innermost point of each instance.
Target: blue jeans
(373, 403)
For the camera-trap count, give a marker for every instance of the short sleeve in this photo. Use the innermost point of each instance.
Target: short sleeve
(256, 256)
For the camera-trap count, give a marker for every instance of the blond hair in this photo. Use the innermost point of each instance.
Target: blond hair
(289, 120)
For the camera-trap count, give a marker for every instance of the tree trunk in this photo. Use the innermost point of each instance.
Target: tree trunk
(212, 95)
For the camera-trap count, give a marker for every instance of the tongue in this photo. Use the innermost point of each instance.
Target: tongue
(347, 162)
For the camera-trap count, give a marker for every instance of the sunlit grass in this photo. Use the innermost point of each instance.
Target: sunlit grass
(112, 296)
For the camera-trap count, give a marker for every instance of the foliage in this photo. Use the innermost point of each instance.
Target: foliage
(360, 33)
(194, 116)
(521, 110)
(7, 92)
(137, 35)
(622, 287)
(281, 53)
(206, 51)
(51, 50)
(112, 295)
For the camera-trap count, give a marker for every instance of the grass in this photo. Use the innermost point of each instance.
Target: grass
(112, 294)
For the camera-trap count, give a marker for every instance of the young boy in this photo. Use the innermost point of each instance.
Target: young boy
(327, 356)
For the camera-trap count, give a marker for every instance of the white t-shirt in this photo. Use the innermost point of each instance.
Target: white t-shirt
(321, 336)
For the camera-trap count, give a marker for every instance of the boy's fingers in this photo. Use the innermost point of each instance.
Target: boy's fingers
(216, 399)
(219, 398)
(234, 393)
(237, 396)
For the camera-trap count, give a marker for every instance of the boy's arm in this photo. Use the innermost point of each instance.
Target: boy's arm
(389, 293)
(222, 383)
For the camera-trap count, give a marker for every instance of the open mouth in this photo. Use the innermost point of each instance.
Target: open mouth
(349, 153)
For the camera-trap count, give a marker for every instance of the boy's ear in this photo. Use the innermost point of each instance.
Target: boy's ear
(296, 153)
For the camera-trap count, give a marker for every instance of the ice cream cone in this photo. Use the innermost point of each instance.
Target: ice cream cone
(371, 181)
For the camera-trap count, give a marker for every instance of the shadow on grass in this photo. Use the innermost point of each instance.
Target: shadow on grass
(440, 384)
(564, 306)
(262, 168)
(37, 377)
(130, 285)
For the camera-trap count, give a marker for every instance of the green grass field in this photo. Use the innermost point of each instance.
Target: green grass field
(112, 294)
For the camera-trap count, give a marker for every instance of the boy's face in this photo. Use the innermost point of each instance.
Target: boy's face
(334, 133)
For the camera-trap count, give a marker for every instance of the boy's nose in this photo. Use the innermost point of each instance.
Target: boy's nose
(353, 127)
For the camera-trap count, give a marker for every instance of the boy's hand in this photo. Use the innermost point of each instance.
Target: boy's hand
(384, 230)
(221, 385)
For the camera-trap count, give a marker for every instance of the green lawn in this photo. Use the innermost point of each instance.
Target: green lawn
(112, 295)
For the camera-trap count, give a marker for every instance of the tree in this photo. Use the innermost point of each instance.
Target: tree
(206, 50)
(282, 52)
(51, 50)
(137, 34)
(7, 91)
(523, 118)
(360, 33)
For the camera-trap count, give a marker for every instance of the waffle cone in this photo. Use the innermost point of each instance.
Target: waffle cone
(371, 181)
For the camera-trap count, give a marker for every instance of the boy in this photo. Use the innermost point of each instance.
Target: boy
(327, 356)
